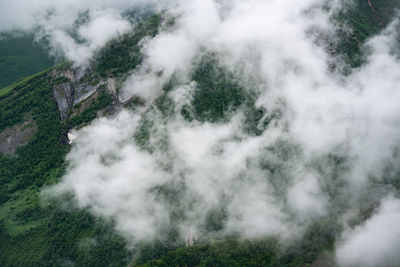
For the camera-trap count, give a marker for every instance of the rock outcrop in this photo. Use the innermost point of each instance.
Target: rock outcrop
(14, 137)
(63, 94)
(75, 88)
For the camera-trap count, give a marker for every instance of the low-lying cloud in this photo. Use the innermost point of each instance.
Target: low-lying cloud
(325, 156)
(75, 29)
(376, 242)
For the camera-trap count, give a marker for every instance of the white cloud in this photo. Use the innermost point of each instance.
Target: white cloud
(376, 242)
(305, 197)
(56, 19)
(263, 187)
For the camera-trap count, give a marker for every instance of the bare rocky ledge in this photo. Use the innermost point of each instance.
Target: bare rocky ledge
(16, 136)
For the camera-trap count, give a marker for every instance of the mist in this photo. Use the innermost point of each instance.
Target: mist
(74, 29)
(372, 244)
(329, 153)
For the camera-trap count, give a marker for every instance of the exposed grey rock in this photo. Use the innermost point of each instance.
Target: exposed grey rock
(79, 73)
(78, 89)
(111, 87)
(69, 74)
(19, 135)
(63, 94)
(72, 74)
(84, 91)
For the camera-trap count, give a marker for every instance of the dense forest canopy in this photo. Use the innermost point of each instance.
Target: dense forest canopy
(208, 133)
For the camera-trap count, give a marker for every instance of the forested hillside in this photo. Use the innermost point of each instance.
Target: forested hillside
(38, 112)
(40, 232)
(21, 56)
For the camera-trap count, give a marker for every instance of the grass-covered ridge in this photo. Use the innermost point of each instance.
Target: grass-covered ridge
(21, 56)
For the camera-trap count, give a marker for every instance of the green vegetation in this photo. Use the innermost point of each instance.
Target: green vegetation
(103, 100)
(219, 95)
(34, 233)
(217, 92)
(222, 253)
(19, 84)
(319, 237)
(122, 55)
(21, 56)
(61, 238)
(364, 22)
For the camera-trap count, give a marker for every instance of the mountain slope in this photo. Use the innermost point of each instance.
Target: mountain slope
(20, 56)
(37, 231)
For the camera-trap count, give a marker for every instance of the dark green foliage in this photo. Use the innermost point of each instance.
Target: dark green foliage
(153, 251)
(223, 253)
(364, 23)
(165, 105)
(46, 150)
(20, 56)
(318, 238)
(46, 236)
(134, 103)
(103, 100)
(123, 54)
(74, 237)
(219, 95)
(33, 233)
(142, 134)
(215, 220)
(186, 113)
(217, 91)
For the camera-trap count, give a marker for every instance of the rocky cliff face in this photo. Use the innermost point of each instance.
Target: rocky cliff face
(79, 94)
(78, 85)
(63, 94)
